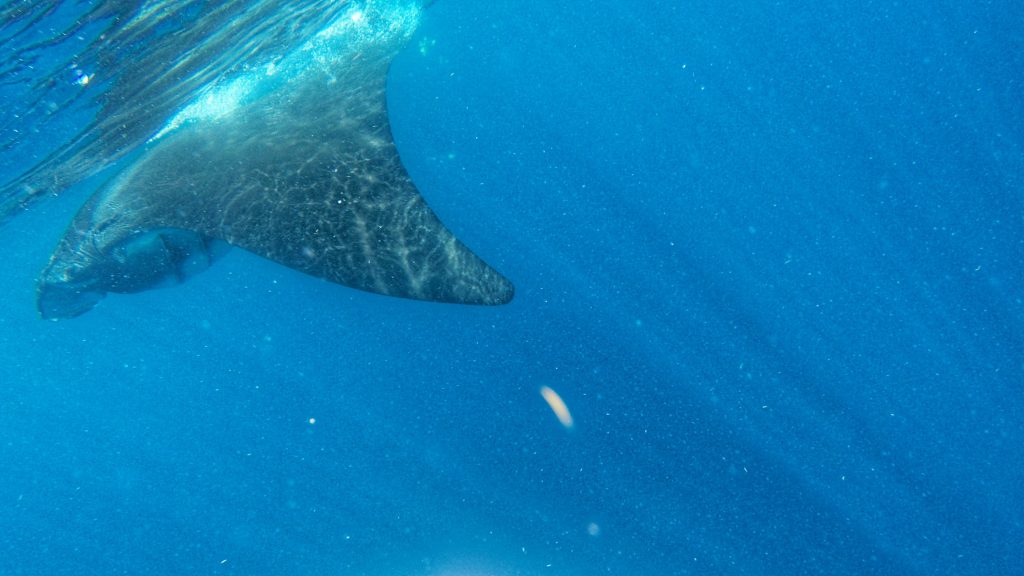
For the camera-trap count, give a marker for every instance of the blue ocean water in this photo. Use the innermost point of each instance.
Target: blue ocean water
(770, 256)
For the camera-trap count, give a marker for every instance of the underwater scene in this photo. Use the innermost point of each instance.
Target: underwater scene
(461, 288)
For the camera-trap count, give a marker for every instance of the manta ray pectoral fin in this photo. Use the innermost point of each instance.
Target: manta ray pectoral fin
(373, 232)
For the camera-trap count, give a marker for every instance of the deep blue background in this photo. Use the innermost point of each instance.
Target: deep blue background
(770, 255)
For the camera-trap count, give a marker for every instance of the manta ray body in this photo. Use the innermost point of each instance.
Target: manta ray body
(296, 164)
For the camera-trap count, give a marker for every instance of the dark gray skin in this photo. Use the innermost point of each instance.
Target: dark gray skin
(305, 174)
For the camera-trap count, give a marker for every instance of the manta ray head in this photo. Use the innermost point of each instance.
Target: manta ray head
(93, 261)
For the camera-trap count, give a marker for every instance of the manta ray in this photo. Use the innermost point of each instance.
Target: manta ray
(294, 163)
